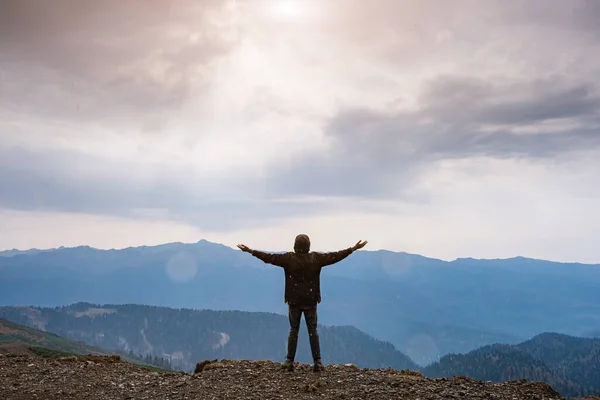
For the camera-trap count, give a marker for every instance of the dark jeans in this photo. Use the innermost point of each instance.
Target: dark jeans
(310, 316)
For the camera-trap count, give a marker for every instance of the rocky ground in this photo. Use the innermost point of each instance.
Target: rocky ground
(95, 377)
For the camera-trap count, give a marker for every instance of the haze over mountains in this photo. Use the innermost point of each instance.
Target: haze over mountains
(425, 307)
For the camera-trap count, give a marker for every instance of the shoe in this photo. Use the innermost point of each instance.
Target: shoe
(288, 365)
(318, 367)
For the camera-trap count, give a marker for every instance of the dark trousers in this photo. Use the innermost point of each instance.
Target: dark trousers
(310, 316)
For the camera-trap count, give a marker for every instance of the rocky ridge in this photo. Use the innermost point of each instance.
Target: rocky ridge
(107, 377)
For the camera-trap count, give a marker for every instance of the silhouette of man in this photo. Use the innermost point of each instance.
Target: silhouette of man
(302, 290)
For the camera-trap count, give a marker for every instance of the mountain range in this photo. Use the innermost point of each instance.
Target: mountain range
(425, 307)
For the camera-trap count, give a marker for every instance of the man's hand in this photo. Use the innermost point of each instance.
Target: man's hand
(359, 245)
(244, 248)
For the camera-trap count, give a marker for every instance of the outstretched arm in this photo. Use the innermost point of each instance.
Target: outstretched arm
(269, 258)
(337, 256)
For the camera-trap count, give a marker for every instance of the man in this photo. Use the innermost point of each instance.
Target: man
(302, 290)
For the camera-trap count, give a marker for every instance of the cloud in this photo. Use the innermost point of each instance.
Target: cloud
(109, 62)
(54, 229)
(579, 15)
(232, 116)
(468, 100)
(374, 153)
(66, 181)
(369, 154)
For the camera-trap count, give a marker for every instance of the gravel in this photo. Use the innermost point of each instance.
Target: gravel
(97, 377)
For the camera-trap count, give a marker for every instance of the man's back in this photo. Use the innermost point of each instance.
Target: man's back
(302, 272)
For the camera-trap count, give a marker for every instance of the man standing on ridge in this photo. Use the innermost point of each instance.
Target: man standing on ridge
(302, 290)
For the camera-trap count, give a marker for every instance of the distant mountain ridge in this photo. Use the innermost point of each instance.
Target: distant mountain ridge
(15, 252)
(33, 250)
(425, 307)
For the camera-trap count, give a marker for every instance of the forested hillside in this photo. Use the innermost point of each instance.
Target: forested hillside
(500, 364)
(187, 336)
(575, 357)
(14, 336)
(569, 364)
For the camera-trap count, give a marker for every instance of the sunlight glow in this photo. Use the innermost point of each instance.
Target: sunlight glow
(287, 8)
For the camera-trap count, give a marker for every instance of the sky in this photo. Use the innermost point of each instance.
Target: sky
(462, 128)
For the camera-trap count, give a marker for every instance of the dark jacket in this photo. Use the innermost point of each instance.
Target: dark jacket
(302, 272)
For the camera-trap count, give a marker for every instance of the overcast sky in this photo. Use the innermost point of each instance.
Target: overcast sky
(456, 128)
